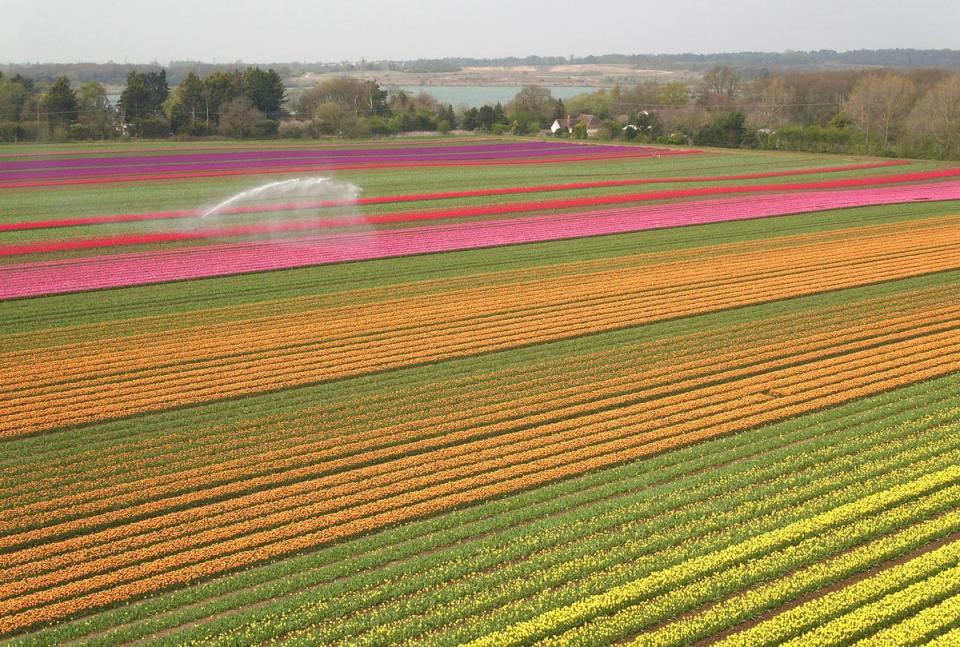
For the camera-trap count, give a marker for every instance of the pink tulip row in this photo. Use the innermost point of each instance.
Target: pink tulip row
(119, 270)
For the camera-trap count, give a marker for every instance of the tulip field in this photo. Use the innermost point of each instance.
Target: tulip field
(477, 391)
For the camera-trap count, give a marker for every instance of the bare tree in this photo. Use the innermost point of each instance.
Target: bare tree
(720, 87)
(772, 100)
(937, 116)
(879, 104)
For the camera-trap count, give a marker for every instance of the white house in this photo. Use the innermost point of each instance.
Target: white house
(568, 122)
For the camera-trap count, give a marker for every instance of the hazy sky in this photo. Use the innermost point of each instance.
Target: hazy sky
(321, 30)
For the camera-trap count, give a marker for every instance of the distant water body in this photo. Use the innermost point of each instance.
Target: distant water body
(471, 95)
(478, 95)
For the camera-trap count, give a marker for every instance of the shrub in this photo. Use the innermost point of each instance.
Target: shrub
(80, 131)
(152, 127)
(265, 128)
(9, 131)
(293, 130)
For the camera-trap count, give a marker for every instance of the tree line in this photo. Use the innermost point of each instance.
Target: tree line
(896, 113)
(237, 104)
(904, 113)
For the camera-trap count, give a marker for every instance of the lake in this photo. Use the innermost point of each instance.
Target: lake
(478, 95)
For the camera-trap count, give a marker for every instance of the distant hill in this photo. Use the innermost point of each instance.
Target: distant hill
(750, 63)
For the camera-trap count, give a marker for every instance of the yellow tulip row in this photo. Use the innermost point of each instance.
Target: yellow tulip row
(558, 620)
(864, 619)
(949, 639)
(807, 620)
(810, 550)
(755, 600)
(787, 495)
(919, 628)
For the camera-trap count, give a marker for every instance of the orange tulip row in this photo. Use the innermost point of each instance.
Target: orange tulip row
(166, 388)
(478, 386)
(116, 330)
(829, 386)
(440, 429)
(706, 399)
(329, 328)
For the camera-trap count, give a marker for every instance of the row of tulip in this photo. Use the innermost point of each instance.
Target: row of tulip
(595, 390)
(354, 417)
(117, 311)
(744, 606)
(421, 498)
(191, 605)
(333, 324)
(912, 300)
(711, 484)
(353, 222)
(193, 161)
(41, 558)
(519, 584)
(106, 174)
(116, 270)
(45, 409)
(430, 197)
(920, 628)
(617, 598)
(894, 606)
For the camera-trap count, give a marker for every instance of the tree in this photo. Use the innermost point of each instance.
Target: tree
(720, 88)
(190, 96)
(879, 104)
(727, 130)
(265, 89)
(219, 89)
(60, 103)
(356, 97)
(598, 103)
(329, 118)
(773, 97)
(674, 94)
(239, 117)
(96, 113)
(936, 117)
(13, 96)
(144, 95)
(532, 104)
(559, 110)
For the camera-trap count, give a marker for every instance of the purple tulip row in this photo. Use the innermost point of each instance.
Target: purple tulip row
(129, 269)
(269, 159)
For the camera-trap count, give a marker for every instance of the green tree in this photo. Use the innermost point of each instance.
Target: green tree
(674, 94)
(532, 104)
(265, 89)
(144, 95)
(60, 103)
(329, 118)
(13, 96)
(356, 97)
(219, 89)
(96, 113)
